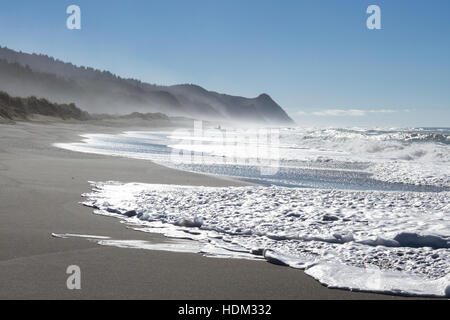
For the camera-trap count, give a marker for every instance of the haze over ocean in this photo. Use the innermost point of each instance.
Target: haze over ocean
(316, 59)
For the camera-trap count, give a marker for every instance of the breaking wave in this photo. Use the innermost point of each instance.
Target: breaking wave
(415, 157)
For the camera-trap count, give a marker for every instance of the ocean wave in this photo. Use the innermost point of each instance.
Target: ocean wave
(408, 156)
(396, 242)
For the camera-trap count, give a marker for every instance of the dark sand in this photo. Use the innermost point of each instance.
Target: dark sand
(40, 188)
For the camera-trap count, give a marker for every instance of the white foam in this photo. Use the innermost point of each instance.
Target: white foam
(335, 275)
(174, 246)
(409, 156)
(84, 236)
(344, 239)
(394, 155)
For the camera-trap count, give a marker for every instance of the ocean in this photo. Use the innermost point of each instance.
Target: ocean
(356, 208)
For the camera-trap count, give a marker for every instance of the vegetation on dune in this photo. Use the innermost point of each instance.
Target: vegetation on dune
(16, 108)
(23, 109)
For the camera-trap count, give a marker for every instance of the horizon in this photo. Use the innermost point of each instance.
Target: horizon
(335, 73)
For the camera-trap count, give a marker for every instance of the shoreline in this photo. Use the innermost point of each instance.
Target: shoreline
(41, 190)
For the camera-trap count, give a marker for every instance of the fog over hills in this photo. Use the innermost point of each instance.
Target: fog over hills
(23, 74)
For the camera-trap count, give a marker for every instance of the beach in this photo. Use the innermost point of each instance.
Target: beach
(41, 188)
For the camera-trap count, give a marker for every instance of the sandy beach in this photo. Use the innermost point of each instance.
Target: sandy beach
(40, 191)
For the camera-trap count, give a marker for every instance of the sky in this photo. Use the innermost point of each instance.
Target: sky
(316, 58)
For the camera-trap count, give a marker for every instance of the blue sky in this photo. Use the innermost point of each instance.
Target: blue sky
(316, 58)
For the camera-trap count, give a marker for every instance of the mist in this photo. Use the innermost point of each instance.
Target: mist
(99, 92)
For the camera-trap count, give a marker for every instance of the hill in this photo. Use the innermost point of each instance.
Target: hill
(23, 74)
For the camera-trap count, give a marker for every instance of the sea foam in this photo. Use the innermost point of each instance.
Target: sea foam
(390, 242)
